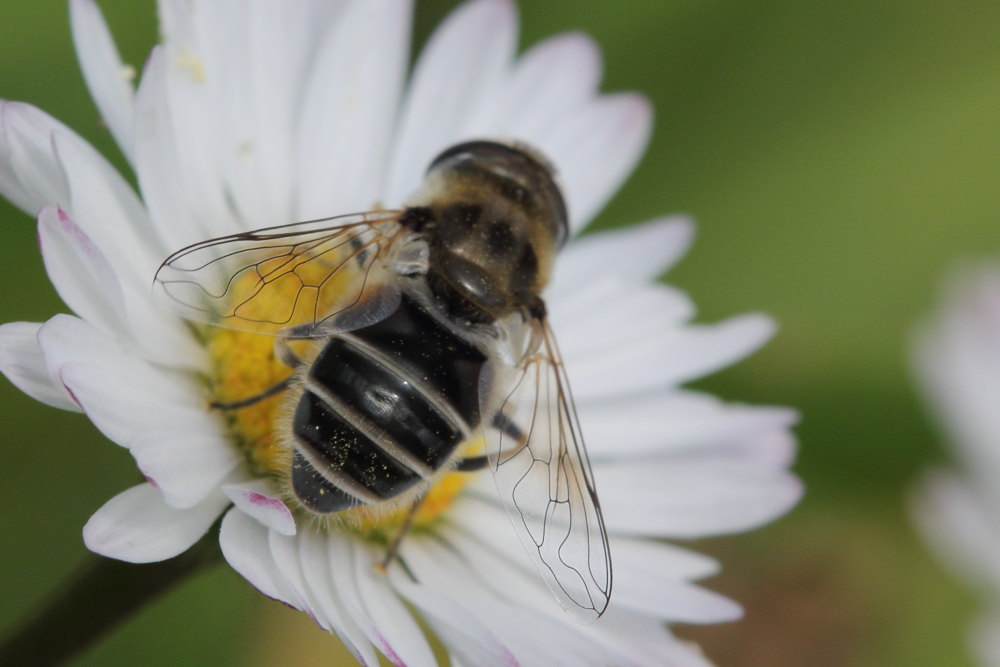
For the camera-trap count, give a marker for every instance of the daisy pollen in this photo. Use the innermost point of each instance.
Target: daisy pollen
(284, 112)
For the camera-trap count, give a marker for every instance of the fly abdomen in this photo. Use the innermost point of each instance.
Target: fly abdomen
(383, 408)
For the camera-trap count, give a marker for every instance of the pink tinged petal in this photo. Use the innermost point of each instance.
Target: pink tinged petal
(595, 149)
(284, 550)
(958, 520)
(468, 639)
(244, 543)
(53, 166)
(185, 465)
(692, 498)
(643, 584)
(635, 253)
(313, 561)
(464, 62)
(403, 639)
(137, 526)
(21, 360)
(30, 176)
(80, 272)
(103, 203)
(125, 397)
(385, 622)
(124, 410)
(107, 77)
(107, 227)
(302, 562)
(548, 82)
(257, 500)
(350, 105)
(670, 422)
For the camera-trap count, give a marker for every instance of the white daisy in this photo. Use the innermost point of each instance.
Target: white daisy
(268, 113)
(958, 510)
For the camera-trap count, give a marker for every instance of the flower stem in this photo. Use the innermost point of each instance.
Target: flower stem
(98, 596)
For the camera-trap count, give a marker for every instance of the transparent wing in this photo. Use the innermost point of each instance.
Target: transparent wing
(540, 465)
(300, 280)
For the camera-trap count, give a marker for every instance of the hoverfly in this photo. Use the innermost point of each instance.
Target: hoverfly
(431, 331)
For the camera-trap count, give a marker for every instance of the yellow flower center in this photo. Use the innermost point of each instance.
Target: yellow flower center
(245, 365)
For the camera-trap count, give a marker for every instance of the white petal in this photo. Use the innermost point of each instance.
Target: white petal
(279, 75)
(350, 105)
(22, 362)
(185, 465)
(315, 566)
(985, 639)
(595, 148)
(464, 62)
(668, 422)
(109, 80)
(518, 608)
(137, 526)
(479, 538)
(549, 80)
(30, 175)
(692, 498)
(662, 559)
(644, 584)
(650, 360)
(257, 499)
(960, 522)
(635, 253)
(775, 448)
(244, 543)
(702, 350)
(467, 638)
(611, 313)
(175, 210)
(79, 271)
(958, 359)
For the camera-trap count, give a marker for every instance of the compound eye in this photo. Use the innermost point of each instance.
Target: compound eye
(479, 149)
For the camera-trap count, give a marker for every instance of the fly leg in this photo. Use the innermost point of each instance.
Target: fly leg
(288, 357)
(505, 425)
(397, 539)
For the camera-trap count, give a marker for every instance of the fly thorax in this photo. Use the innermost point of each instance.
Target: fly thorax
(495, 221)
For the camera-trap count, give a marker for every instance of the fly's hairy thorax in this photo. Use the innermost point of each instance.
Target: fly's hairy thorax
(493, 221)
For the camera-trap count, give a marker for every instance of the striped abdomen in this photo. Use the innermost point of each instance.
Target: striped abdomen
(383, 408)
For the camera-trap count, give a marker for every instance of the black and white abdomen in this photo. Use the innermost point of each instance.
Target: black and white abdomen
(383, 408)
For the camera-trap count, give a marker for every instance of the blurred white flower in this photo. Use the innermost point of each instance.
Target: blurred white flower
(958, 508)
(268, 113)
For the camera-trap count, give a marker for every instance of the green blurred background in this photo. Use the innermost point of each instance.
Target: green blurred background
(839, 157)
